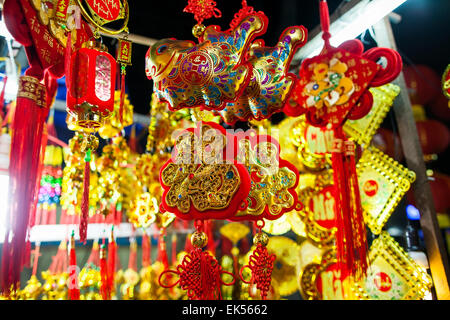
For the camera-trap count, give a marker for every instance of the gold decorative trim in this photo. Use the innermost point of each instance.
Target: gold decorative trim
(308, 276)
(394, 178)
(363, 130)
(319, 235)
(31, 88)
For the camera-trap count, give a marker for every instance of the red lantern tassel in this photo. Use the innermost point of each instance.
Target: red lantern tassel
(351, 238)
(174, 249)
(29, 118)
(146, 250)
(73, 290)
(112, 257)
(162, 252)
(104, 288)
(85, 200)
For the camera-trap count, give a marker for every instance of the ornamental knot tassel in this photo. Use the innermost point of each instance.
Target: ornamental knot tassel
(199, 272)
(261, 265)
(90, 144)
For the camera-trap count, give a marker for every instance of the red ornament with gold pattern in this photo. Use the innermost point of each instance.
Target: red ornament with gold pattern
(333, 87)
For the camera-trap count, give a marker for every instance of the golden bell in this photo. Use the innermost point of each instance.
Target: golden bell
(198, 30)
(199, 239)
(261, 238)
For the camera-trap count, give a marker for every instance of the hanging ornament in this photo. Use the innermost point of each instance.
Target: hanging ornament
(199, 272)
(55, 286)
(35, 27)
(90, 277)
(130, 276)
(446, 82)
(113, 125)
(124, 58)
(73, 290)
(332, 88)
(198, 181)
(33, 288)
(228, 70)
(208, 177)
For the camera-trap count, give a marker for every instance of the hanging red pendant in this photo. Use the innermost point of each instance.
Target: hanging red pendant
(199, 272)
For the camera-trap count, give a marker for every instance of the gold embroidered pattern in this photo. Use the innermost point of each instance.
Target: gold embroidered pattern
(31, 88)
(197, 177)
(270, 183)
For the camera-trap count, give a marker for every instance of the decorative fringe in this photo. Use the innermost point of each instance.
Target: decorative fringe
(122, 94)
(146, 250)
(162, 251)
(104, 288)
(73, 289)
(174, 249)
(27, 128)
(112, 257)
(85, 200)
(351, 237)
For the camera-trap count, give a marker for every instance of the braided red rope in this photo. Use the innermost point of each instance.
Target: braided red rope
(202, 9)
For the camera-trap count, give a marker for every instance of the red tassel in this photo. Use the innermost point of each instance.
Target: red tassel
(162, 252)
(85, 200)
(146, 250)
(104, 288)
(199, 274)
(112, 257)
(174, 249)
(73, 290)
(29, 118)
(261, 266)
(132, 261)
(122, 94)
(36, 258)
(351, 238)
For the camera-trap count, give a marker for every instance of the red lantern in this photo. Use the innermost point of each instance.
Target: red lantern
(434, 136)
(423, 83)
(90, 86)
(440, 108)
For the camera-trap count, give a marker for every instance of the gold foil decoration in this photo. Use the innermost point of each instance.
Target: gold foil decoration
(363, 130)
(392, 274)
(112, 125)
(310, 190)
(323, 280)
(382, 183)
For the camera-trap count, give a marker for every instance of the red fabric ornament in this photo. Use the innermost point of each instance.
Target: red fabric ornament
(187, 176)
(333, 87)
(90, 80)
